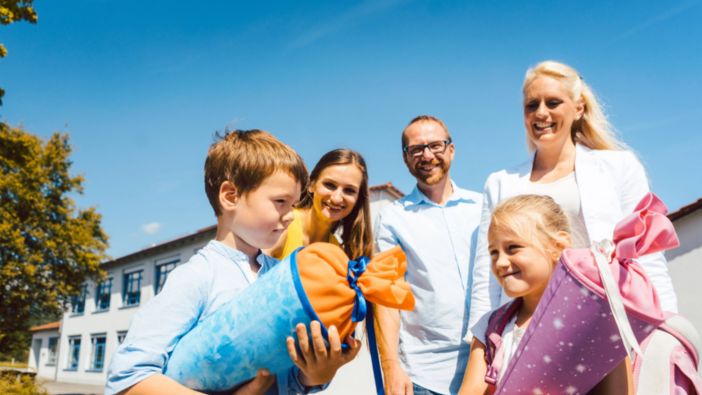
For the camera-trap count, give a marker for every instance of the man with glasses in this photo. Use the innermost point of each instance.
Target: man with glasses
(436, 225)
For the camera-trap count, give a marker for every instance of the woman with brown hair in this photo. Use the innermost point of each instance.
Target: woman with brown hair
(336, 202)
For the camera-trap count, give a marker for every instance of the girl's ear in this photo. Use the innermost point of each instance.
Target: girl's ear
(561, 242)
(228, 196)
(565, 239)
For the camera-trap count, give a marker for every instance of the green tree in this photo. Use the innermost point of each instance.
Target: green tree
(48, 247)
(15, 11)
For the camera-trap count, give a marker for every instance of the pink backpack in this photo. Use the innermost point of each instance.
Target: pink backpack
(669, 364)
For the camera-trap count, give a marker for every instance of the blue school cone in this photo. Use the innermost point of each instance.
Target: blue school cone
(315, 283)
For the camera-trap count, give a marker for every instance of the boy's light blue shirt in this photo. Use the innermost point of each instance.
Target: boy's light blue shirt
(439, 242)
(212, 277)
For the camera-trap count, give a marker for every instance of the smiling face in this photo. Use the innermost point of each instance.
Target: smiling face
(336, 190)
(428, 168)
(521, 267)
(549, 112)
(261, 216)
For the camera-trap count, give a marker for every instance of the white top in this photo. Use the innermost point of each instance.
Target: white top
(511, 336)
(439, 242)
(565, 192)
(610, 184)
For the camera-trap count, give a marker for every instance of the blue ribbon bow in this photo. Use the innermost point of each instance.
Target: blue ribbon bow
(356, 268)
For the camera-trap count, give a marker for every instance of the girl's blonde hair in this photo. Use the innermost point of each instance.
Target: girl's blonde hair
(537, 219)
(593, 130)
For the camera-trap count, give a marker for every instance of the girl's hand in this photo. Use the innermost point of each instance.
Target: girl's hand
(317, 363)
(258, 385)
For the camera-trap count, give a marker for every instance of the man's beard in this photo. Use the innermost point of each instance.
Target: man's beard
(434, 177)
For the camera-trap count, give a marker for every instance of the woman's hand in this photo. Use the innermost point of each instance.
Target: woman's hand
(397, 382)
(317, 363)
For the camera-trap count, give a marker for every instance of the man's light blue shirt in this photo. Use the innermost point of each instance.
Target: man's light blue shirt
(439, 242)
(212, 277)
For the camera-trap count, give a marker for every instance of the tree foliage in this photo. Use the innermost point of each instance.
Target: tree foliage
(48, 247)
(15, 11)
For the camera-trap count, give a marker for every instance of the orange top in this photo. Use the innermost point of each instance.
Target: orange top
(295, 235)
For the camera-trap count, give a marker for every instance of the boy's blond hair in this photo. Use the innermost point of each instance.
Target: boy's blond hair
(536, 219)
(246, 158)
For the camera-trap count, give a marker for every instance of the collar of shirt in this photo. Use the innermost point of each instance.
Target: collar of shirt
(417, 197)
(241, 260)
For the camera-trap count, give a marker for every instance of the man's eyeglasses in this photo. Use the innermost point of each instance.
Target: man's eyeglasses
(436, 147)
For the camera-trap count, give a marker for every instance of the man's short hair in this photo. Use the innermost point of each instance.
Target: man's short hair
(246, 158)
(421, 118)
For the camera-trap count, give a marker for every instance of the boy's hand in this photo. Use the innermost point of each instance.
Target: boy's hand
(319, 365)
(258, 385)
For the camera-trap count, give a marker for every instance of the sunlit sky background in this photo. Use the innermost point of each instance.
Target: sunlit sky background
(142, 86)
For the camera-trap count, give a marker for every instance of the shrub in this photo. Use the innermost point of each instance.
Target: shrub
(12, 383)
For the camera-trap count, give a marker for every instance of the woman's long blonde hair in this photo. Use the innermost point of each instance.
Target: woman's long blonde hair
(593, 130)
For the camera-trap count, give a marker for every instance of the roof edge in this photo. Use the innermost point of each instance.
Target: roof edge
(686, 210)
(46, 327)
(391, 189)
(157, 247)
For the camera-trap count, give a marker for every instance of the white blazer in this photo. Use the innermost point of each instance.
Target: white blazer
(610, 182)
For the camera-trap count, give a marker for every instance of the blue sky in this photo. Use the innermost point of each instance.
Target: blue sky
(142, 86)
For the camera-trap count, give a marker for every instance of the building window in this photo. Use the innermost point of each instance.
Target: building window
(102, 295)
(162, 271)
(73, 352)
(132, 288)
(97, 359)
(53, 345)
(78, 301)
(121, 335)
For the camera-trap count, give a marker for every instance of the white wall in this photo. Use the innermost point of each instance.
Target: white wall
(378, 200)
(356, 377)
(41, 364)
(685, 267)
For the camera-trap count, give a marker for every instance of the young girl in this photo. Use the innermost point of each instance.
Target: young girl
(526, 236)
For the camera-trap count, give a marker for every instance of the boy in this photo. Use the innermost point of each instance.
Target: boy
(252, 181)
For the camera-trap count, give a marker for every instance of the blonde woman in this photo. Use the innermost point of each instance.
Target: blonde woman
(578, 161)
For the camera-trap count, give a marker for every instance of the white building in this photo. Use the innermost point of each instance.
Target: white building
(79, 347)
(685, 262)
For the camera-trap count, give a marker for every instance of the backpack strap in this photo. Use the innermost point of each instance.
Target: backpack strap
(493, 338)
(683, 330)
(670, 359)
